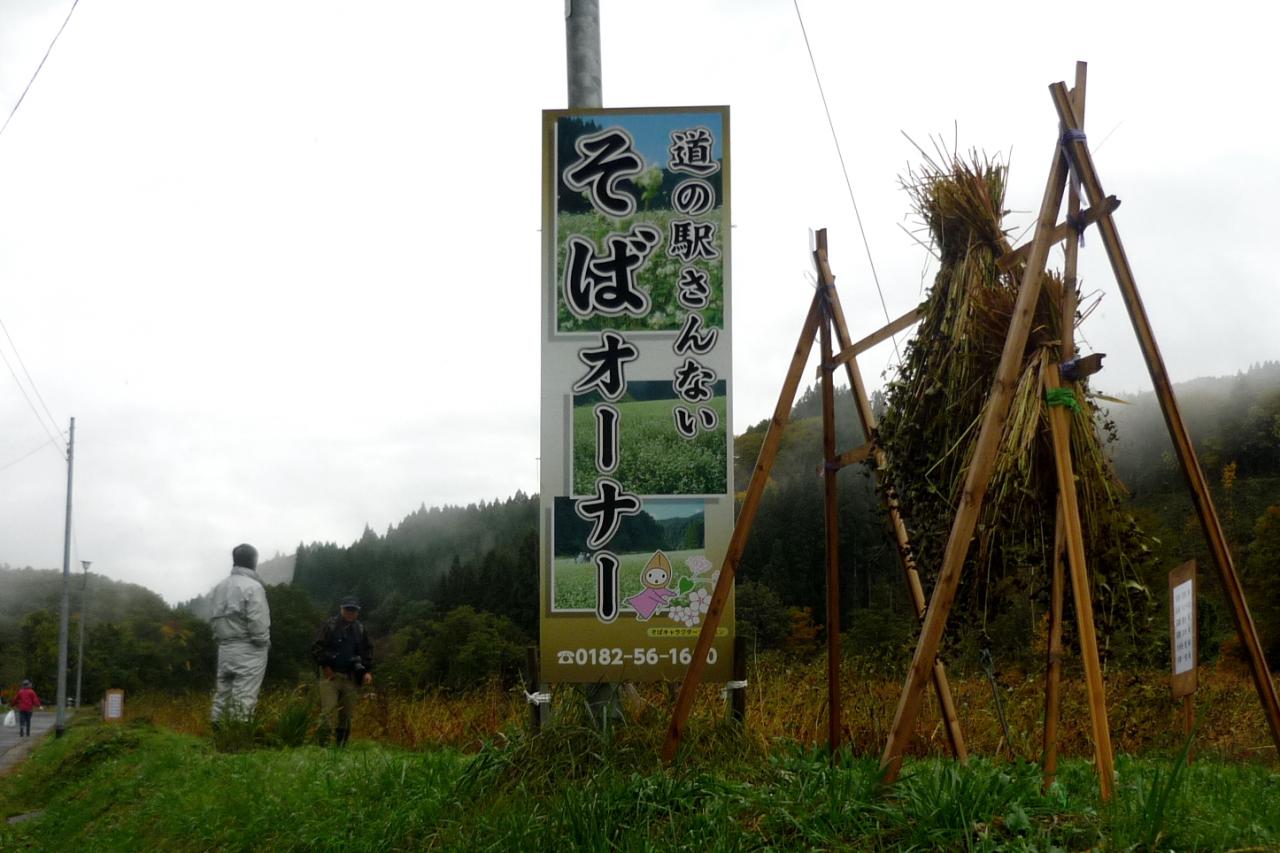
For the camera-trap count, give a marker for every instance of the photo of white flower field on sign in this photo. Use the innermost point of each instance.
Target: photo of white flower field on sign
(651, 192)
(653, 458)
(667, 535)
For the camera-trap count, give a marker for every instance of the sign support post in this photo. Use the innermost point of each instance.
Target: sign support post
(1184, 648)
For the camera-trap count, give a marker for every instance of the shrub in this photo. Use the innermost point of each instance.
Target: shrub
(760, 615)
(464, 649)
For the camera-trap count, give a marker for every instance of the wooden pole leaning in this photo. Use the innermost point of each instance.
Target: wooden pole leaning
(1071, 250)
(977, 478)
(1082, 160)
(1060, 429)
(1067, 325)
(741, 530)
(832, 517)
(1053, 669)
(906, 556)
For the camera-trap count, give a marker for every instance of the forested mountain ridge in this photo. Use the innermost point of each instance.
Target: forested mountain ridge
(485, 555)
(461, 582)
(1232, 420)
(132, 636)
(482, 554)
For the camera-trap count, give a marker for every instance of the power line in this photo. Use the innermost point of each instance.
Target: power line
(848, 183)
(74, 3)
(23, 457)
(27, 373)
(27, 397)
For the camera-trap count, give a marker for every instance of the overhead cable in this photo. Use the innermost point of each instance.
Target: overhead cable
(36, 73)
(30, 379)
(847, 182)
(27, 397)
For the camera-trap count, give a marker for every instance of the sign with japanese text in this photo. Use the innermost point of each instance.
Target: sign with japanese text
(1182, 628)
(637, 443)
(113, 705)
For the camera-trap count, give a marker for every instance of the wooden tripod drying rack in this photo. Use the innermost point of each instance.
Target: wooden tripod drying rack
(824, 321)
(1071, 157)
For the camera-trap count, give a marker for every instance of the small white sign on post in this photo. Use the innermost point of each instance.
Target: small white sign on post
(1182, 629)
(1184, 658)
(113, 705)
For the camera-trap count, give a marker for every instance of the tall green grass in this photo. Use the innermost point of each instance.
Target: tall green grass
(573, 787)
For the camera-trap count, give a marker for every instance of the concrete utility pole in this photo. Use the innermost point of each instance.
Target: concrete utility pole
(60, 720)
(84, 594)
(582, 41)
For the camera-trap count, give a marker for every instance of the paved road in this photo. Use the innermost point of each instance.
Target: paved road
(13, 748)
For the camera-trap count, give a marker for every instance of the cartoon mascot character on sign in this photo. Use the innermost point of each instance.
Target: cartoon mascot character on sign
(655, 595)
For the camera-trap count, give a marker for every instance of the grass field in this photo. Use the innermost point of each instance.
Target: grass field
(448, 772)
(138, 786)
(575, 583)
(653, 458)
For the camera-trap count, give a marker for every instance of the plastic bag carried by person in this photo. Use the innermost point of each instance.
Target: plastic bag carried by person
(11, 719)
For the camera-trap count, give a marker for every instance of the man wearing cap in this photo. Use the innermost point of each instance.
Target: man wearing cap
(241, 624)
(344, 654)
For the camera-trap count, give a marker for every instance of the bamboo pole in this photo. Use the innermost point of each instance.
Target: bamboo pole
(1061, 231)
(977, 478)
(853, 457)
(906, 557)
(1072, 248)
(831, 507)
(1183, 447)
(742, 529)
(1053, 671)
(1060, 429)
(885, 332)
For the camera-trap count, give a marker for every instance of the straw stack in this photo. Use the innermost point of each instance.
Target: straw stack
(934, 408)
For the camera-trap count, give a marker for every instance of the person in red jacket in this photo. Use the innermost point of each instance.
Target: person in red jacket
(26, 701)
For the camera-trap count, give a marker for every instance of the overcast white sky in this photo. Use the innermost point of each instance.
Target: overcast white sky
(280, 258)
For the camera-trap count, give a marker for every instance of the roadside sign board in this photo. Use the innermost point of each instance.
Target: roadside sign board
(1183, 651)
(113, 705)
(636, 465)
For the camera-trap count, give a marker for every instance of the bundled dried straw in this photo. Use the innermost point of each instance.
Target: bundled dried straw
(935, 405)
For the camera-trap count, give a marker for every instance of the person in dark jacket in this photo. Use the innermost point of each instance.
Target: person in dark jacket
(344, 654)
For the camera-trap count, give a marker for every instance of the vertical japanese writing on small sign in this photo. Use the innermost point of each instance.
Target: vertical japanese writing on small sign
(1184, 659)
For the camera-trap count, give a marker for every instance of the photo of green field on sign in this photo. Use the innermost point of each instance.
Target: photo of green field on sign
(667, 536)
(653, 457)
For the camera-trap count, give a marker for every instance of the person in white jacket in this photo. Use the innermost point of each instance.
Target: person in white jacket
(241, 624)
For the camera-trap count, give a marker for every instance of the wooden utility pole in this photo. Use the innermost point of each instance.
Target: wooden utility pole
(63, 626)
